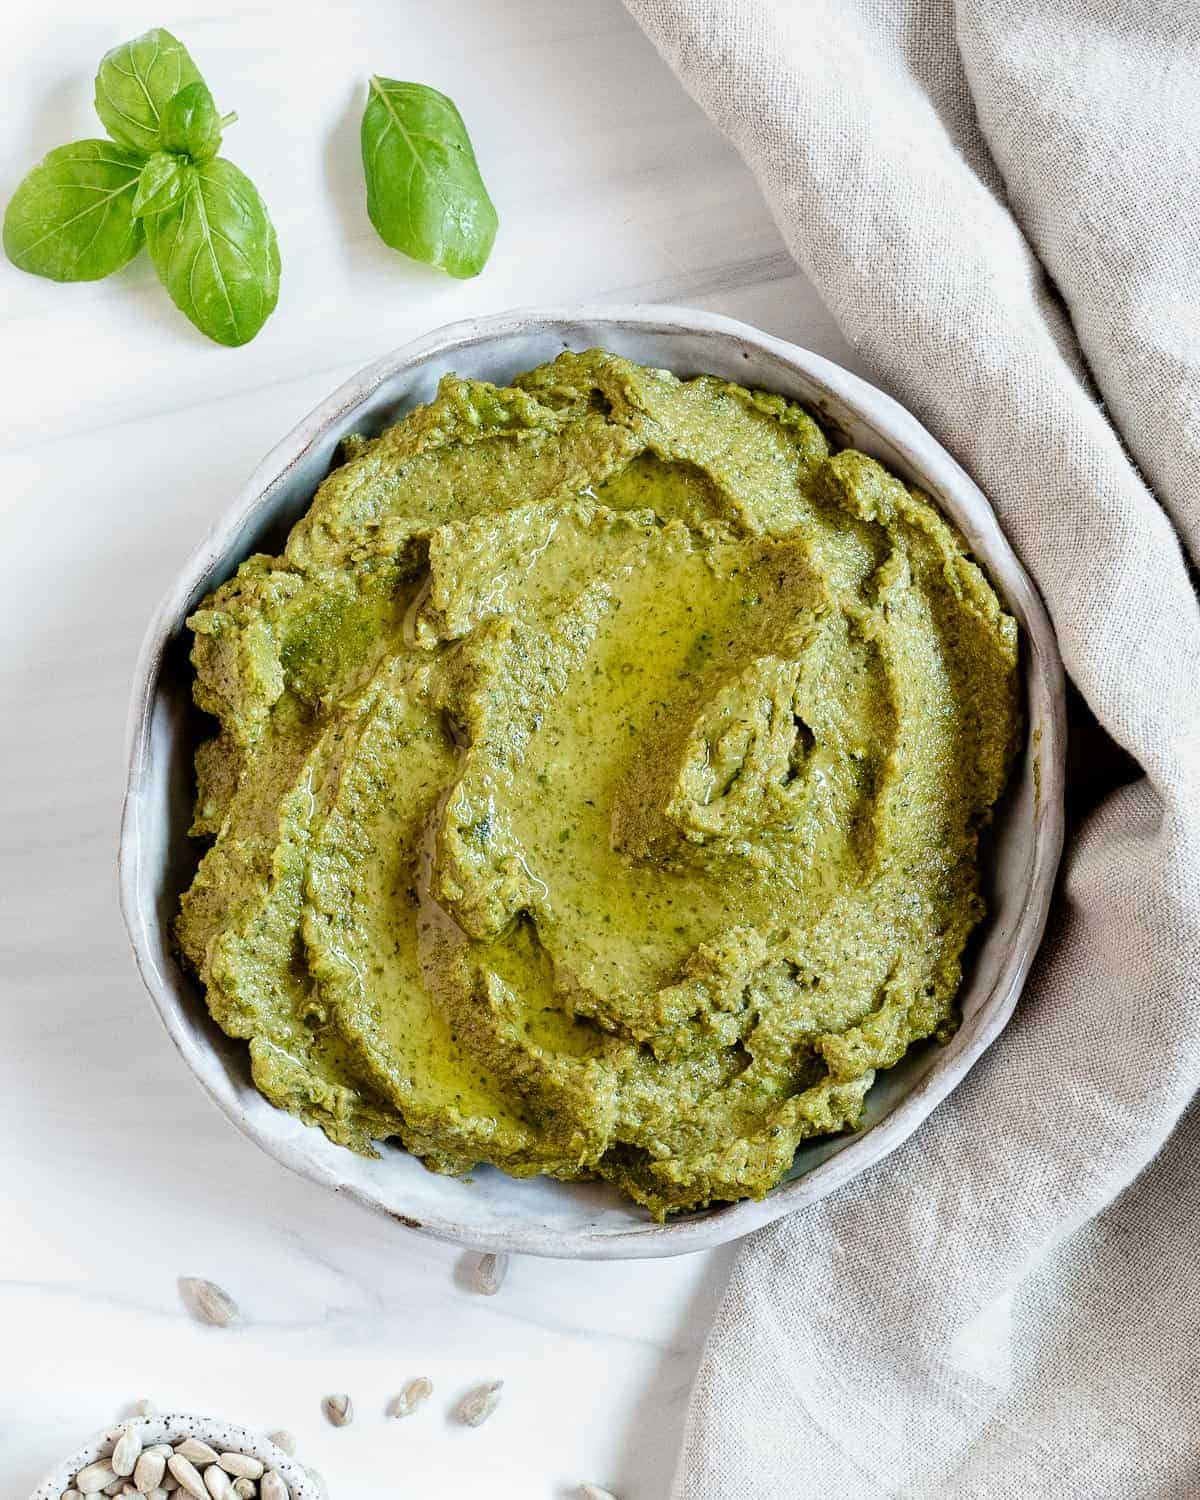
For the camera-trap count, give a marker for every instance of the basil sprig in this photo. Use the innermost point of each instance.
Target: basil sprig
(88, 207)
(425, 195)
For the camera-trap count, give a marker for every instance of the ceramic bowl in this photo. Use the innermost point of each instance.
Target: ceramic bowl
(157, 860)
(171, 1427)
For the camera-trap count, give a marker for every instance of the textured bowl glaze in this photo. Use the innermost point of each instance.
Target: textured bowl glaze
(157, 860)
(172, 1427)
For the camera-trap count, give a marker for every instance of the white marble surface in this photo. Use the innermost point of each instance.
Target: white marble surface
(123, 435)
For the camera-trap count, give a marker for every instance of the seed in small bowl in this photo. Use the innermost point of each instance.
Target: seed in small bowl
(130, 1468)
(188, 1475)
(95, 1478)
(242, 1465)
(148, 1471)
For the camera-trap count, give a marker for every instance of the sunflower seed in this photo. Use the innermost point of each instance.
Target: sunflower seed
(245, 1489)
(149, 1470)
(339, 1409)
(477, 1406)
(164, 1448)
(169, 1482)
(114, 1488)
(488, 1273)
(95, 1477)
(71, 1494)
(219, 1484)
(272, 1487)
(207, 1301)
(283, 1439)
(241, 1465)
(195, 1451)
(158, 1494)
(125, 1454)
(188, 1476)
(594, 1492)
(414, 1393)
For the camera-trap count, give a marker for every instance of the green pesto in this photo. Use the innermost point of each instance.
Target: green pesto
(597, 784)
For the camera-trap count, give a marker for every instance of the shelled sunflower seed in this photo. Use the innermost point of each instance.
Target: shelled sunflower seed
(339, 1409)
(410, 1397)
(207, 1301)
(487, 1273)
(477, 1406)
(171, 1471)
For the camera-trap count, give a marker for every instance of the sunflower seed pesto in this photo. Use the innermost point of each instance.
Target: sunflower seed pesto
(684, 723)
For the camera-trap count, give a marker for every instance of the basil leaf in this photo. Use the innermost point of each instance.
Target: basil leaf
(190, 123)
(72, 217)
(215, 252)
(159, 185)
(425, 196)
(134, 84)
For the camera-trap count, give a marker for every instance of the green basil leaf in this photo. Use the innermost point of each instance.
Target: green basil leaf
(159, 185)
(72, 217)
(425, 196)
(134, 84)
(215, 252)
(191, 124)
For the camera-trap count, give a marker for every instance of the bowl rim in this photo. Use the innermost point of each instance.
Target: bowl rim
(172, 1426)
(1043, 674)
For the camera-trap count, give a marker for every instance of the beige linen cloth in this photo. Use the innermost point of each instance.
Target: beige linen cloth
(1000, 202)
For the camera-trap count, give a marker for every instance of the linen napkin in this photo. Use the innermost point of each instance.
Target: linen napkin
(999, 201)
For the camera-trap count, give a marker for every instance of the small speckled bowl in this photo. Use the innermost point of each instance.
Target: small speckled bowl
(539, 1216)
(173, 1427)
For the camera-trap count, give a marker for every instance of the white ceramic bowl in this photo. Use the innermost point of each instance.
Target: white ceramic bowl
(171, 1427)
(542, 1217)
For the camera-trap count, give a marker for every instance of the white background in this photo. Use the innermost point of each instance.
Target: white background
(123, 434)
